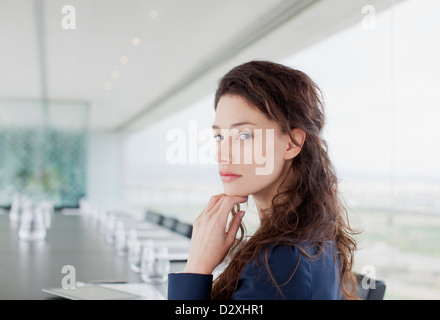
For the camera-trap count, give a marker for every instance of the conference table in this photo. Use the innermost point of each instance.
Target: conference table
(27, 267)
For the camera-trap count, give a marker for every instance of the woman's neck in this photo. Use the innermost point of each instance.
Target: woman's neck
(263, 198)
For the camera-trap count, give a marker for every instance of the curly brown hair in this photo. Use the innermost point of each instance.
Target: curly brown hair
(307, 208)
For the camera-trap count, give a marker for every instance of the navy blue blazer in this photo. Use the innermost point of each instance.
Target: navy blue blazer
(315, 278)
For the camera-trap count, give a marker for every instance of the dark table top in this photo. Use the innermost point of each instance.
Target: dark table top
(28, 267)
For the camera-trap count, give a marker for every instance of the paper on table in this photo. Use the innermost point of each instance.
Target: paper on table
(144, 290)
(120, 291)
(91, 292)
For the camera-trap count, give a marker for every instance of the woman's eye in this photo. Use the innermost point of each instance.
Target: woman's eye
(245, 136)
(241, 136)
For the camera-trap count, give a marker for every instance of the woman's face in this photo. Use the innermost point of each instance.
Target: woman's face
(251, 148)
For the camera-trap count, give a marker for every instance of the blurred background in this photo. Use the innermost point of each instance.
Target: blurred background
(113, 101)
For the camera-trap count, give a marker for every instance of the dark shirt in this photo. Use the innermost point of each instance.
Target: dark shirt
(297, 276)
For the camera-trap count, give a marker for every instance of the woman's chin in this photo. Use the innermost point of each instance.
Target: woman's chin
(235, 193)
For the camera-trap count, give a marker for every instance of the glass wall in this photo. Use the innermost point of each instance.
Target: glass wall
(43, 151)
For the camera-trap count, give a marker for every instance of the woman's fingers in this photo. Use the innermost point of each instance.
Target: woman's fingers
(218, 205)
(218, 208)
(211, 203)
(210, 242)
(226, 206)
(233, 228)
(214, 200)
(222, 204)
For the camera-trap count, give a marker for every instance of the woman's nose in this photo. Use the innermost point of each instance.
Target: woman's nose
(224, 152)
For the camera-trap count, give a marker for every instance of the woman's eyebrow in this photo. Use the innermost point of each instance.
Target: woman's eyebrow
(238, 124)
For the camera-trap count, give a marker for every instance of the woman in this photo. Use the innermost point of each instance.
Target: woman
(303, 248)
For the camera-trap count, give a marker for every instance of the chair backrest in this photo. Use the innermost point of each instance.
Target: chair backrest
(169, 222)
(370, 289)
(184, 229)
(153, 216)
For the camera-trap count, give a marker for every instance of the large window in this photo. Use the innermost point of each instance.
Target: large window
(380, 86)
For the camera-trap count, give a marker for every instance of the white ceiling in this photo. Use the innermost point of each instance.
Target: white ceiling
(183, 43)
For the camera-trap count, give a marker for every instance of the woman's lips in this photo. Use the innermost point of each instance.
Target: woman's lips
(228, 176)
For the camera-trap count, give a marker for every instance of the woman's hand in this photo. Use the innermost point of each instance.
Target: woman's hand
(210, 242)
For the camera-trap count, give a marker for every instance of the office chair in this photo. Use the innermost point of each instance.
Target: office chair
(153, 217)
(169, 222)
(184, 229)
(369, 293)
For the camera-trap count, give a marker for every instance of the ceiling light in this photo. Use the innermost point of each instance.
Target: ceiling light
(135, 41)
(153, 14)
(114, 74)
(123, 59)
